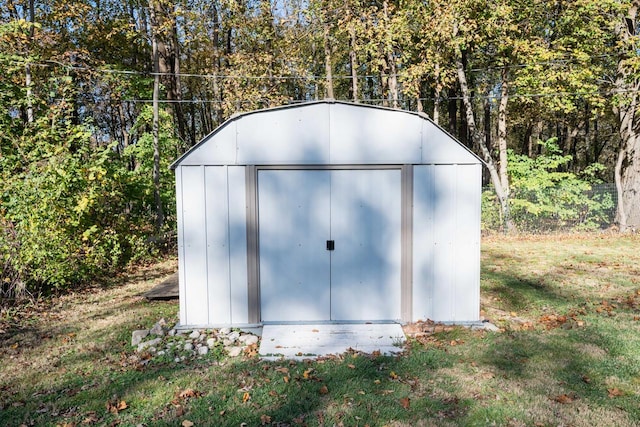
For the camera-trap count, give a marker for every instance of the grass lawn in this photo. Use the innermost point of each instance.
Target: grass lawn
(568, 354)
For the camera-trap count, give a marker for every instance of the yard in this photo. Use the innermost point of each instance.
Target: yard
(568, 353)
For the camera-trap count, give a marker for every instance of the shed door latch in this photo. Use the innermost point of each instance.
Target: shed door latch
(331, 245)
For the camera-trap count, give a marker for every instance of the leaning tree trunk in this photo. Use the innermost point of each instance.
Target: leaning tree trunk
(497, 172)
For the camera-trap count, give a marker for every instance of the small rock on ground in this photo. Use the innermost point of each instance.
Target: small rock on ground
(138, 336)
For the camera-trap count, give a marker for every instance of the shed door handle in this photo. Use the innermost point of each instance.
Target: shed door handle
(331, 245)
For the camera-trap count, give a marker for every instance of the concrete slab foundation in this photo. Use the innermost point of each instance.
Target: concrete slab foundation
(309, 341)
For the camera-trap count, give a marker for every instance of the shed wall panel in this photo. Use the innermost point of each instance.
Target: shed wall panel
(424, 200)
(467, 241)
(238, 244)
(444, 262)
(288, 136)
(195, 245)
(373, 136)
(440, 148)
(216, 149)
(181, 257)
(217, 250)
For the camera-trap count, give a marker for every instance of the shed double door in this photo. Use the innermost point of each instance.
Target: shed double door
(329, 243)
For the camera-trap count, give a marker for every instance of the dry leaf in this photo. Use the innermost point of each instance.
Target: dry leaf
(351, 366)
(282, 370)
(393, 375)
(90, 419)
(245, 397)
(187, 423)
(563, 398)
(265, 419)
(514, 314)
(586, 379)
(286, 379)
(306, 373)
(615, 392)
(324, 390)
(405, 402)
(122, 405)
(188, 393)
(273, 393)
(222, 412)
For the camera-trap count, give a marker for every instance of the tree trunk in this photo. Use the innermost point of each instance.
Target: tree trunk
(390, 60)
(156, 118)
(169, 59)
(27, 71)
(327, 62)
(498, 173)
(353, 59)
(627, 170)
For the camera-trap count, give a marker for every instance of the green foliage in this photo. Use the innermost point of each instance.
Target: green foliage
(71, 211)
(544, 197)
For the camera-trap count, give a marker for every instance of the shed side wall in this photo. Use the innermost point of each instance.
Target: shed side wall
(446, 239)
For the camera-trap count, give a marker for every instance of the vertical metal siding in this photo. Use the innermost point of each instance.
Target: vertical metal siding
(288, 136)
(424, 201)
(181, 255)
(217, 251)
(195, 245)
(372, 136)
(217, 149)
(444, 262)
(467, 238)
(236, 191)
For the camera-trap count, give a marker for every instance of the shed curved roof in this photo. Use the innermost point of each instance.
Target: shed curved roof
(327, 133)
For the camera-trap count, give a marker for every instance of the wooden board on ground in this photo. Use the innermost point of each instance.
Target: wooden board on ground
(167, 289)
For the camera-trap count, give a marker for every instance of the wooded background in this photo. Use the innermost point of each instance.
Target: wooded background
(98, 97)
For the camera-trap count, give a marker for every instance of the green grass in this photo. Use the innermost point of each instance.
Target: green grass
(568, 354)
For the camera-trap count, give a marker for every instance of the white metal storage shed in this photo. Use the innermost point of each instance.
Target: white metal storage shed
(328, 212)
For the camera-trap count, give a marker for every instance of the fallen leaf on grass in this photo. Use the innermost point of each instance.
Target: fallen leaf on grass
(188, 393)
(265, 419)
(615, 392)
(116, 406)
(90, 419)
(564, 399)
(351, 366)
(586, 379)
(282, 370)
(245, 397)
(323, 390)
(393, 375)
(405, 402)
(187, 423)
